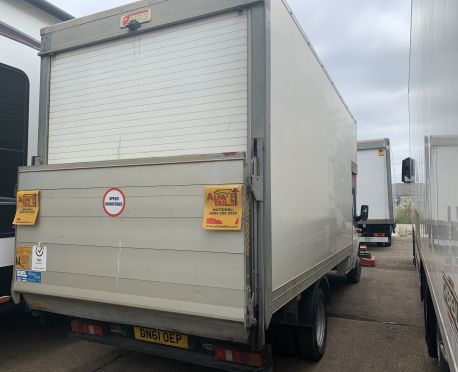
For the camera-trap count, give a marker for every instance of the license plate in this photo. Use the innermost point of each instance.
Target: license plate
(158, 336)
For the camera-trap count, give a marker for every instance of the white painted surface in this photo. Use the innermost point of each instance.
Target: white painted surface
(176, 91)
(372, 184)
(25, 17)
(6, 252)
(30, 20)
(433, 104)
(313, 144)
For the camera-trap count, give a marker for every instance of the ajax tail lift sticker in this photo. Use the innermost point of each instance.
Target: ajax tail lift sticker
(27, 207)
(223, 207)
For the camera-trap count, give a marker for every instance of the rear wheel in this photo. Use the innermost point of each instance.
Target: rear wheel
(354, 275)
(443, 364)
(430, 325)
(311, 341)
(389, 241)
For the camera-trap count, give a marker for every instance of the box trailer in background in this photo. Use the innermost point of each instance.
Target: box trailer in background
(20, 24)
(433, 98)
(194, 178)
(375, 189)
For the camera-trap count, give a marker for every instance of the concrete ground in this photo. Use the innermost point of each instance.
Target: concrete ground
(375, 325)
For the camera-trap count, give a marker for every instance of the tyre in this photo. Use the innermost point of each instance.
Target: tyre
(389, 241)
(311, 341)
(430, 326)
(354, 275)
(442, 363)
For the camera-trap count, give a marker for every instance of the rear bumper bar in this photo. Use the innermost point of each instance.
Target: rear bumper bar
(373, 239)
(187, 356)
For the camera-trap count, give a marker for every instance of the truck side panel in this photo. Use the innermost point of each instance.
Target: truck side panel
(313, 139)
(433, 98)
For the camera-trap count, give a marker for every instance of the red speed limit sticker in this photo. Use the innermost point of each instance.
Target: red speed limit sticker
(114, 202)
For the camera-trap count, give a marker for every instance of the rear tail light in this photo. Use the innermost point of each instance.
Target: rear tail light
(4, 299)
(379, 235)
(80, 326)
(249, 358)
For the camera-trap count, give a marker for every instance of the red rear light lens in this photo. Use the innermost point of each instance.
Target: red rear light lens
(379, 235)
(249, 358)
(80, 326)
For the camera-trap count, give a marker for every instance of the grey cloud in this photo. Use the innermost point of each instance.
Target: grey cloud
(365, 47)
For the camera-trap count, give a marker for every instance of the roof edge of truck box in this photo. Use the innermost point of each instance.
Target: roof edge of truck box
(88, 30)
(381, 143)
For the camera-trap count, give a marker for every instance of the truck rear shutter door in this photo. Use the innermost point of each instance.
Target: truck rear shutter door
(175, 91)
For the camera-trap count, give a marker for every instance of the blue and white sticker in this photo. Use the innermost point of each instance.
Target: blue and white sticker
(28, 276)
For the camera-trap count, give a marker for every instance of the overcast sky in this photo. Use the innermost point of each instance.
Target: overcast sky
(364, 46)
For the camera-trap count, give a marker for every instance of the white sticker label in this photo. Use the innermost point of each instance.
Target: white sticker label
(114, 202)
(39, 253)
(141, 16)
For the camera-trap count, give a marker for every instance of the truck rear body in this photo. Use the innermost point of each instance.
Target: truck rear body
(197, 96)
(375, 190)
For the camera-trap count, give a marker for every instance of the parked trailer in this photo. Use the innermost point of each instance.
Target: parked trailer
(433, 100)
(195, 182)
(20, 23)
(375, 189)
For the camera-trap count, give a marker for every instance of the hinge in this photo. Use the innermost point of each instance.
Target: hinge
(256, 179)
(251, 320)
(256, 184)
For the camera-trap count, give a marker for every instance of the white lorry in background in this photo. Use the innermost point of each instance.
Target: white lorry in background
(432, 168)
(177, 215)
(375, 189)
(20, 24)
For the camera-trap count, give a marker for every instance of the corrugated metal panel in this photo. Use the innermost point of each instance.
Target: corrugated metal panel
(176, 91)
(155, 255)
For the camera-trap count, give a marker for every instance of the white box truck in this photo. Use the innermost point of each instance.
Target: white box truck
(20, 24)
(432, 170)
(375, 189)
(193, 184)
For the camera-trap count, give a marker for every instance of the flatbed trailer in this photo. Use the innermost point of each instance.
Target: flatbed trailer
(432, 170)
(194, 178)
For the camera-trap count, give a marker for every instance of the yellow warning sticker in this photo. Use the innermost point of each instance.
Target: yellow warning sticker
(381, 152)
(223, 207)
(23, 258)
(27, 206)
